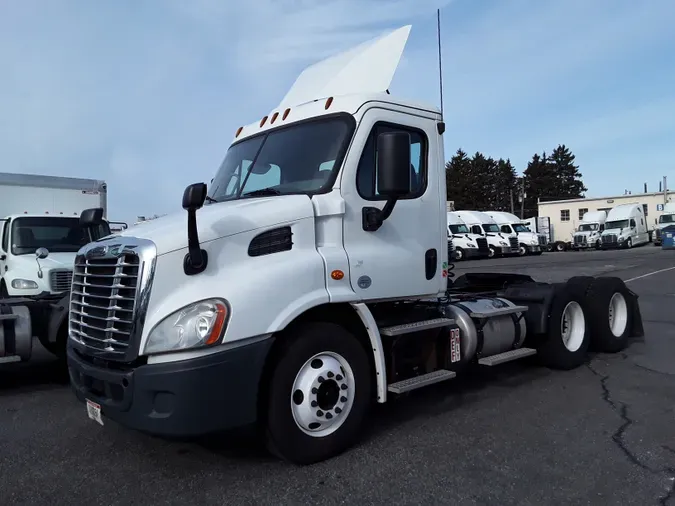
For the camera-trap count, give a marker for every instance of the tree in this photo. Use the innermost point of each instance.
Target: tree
(553, 177)
(570, 185)
(480, 182)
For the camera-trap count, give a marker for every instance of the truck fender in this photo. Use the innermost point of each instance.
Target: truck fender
(57, 317)
(378, 352)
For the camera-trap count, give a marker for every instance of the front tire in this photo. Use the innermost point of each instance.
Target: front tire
(492, 253)
(319, 394)
(459, 254)
(522, 250)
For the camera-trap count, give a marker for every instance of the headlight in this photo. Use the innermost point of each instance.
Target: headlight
(24, 284)
(197, 325)
(470, 245)
(621, 239)
(534, 242)
(503, 243)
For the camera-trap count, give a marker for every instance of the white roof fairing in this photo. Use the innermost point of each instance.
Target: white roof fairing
(366, 68)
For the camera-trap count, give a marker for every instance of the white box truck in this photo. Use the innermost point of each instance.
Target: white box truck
(589, 230)
(40, 234)
(625, 227)
(312, 280)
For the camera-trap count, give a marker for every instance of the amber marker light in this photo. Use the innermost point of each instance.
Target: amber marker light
(275, 116)
(286, 113)
(238, 131)
(337, 275)
(217, 330)
(329, 102)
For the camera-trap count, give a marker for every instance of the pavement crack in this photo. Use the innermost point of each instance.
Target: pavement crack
(622, 410)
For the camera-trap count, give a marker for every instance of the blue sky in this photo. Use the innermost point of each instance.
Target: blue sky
(146, 94)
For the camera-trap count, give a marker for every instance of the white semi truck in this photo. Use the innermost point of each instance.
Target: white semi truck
(590, 229)
(312, 280)
(665, 220)
(464, 244)
(529, 242)
(480, 223)
(626, 226)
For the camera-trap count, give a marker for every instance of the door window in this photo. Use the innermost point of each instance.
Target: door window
(5, 236)
(366, 174)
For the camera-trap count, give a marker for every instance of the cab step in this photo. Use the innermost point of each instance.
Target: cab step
(408, 328)
(507, 356)
(10, 359)
(498, 312)
(420, 381)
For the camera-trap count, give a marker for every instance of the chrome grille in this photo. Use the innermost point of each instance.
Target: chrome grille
(542, 240)
(513, 241)
(609, 239)
(102, 301)
(482, 244)
(60, 280)
(580, 239)
(658, 233)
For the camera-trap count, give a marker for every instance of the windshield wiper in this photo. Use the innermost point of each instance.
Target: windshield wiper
(209, 199)
(262, 192)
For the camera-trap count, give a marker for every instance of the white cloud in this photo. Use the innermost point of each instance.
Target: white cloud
(148, 97)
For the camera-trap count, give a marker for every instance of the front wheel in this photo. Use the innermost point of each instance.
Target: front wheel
(319, 394)
(492, 253)
(629, 243)
(522, 250)
(459, 254)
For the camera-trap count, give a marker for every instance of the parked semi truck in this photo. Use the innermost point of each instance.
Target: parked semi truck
(589, 231)
(312, 280)
(465, 244)
(665, 220)
(481, 224)
(625, 227)
(529, 242)
(42, 315)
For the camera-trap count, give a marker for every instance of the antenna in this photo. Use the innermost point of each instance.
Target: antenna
(440, 59)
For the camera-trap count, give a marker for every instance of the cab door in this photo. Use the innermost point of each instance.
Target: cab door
(406, 255)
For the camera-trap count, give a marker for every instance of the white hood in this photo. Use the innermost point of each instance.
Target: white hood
(53, 261)
(223, 219)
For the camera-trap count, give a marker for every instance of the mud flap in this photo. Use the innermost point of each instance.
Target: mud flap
(637, 329)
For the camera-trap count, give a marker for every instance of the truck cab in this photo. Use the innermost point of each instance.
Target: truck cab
(309, 280)
(480, 223)
(37, 252)
(589, 231)
(464, 244)
(665, 220)
(529, 242)
(625, 227)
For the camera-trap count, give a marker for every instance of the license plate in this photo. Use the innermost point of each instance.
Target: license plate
(94, 411)
(455, 353)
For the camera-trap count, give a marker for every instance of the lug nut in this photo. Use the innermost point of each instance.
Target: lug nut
(343, 386)
(338, 410)
(339, 377)
(343, 399)
(315, 390)
(320, 379)
(328, 416)
(330, 374)
(314, 404)
(319, 413)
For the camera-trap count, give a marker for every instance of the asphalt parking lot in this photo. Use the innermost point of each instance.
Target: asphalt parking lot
(516, 435)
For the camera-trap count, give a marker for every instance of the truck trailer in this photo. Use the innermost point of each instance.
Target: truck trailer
(313, 280)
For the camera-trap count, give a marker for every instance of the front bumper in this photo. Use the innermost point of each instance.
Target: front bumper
(614, 245)
(180, 399)
(473, 253)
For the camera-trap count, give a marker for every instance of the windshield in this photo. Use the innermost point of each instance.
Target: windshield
(491, 228)
(58, 235)
(297, 159)
(459, 229)
(588, 227)
(616, 224)
(519, 227)
(667, 218)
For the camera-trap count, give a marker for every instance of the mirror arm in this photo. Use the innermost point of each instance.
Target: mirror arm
(373, 218)
(196, 259)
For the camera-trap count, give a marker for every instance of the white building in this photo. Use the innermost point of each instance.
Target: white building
(566, 214)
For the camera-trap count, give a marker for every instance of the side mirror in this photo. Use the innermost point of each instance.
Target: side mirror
(196, 258)
(41, 253)
(194, 196)
(393, 164)
(91, 217)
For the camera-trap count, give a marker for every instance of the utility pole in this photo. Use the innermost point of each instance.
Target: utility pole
(665, 190)
(511, 198)
(521, 198)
